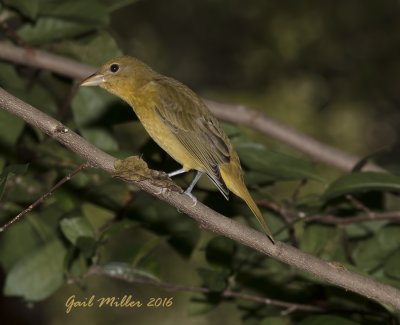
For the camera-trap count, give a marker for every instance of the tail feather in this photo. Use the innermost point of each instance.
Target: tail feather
(237, 186)
(256, 211)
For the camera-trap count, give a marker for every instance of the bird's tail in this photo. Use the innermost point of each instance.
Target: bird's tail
(237, 186)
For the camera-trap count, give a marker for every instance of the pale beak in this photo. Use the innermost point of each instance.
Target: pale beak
(95, 79)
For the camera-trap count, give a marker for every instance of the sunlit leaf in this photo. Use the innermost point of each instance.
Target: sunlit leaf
(126, 271)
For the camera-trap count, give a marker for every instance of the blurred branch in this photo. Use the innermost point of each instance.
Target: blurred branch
(292, 217)
(44, 197)
(228, 293)
(205, 216)
(45, 60)
(372, 216)
(238, 114)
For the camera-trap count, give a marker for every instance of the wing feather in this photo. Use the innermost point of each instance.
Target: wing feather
(194, 126)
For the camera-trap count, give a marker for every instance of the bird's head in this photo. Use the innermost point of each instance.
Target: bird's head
(121, 76)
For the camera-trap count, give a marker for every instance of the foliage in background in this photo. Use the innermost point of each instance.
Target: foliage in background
(93, 220)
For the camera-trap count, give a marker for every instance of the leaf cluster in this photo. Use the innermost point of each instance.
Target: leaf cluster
(93, 220)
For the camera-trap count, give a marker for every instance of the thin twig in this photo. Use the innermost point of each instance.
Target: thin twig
(67, 102)
(43, 197)
(334, 220)
(13, 35)
(296, 192)
(227, 293)
(346, 245)
(360, 206)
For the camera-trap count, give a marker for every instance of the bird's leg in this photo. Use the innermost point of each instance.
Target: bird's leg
(188, 191)
(177, 172)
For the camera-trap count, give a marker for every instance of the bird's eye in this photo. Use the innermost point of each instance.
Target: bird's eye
(114, 67)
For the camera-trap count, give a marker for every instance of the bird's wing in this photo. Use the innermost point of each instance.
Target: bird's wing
(191, 122)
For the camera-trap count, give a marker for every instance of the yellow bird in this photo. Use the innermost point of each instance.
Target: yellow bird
(180, 123)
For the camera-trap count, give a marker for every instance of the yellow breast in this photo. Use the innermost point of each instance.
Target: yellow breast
(145, 108)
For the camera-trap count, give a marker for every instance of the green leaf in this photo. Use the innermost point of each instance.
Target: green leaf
(363, 161)
(116, 228)
(146, 249)
(215, 281)
(100, 49)
(276, 320)
(10, 128)
(26, 8)
(258, 158)
(254, 178)
(118, 4)
(220, 251)
(97, 216)
(74, 228)
(12, 248)
(126, 271)
(201, 304)
(320, 239)
(100, 138)
(183, 233)
(16, 169)
(46, 30)
(362, 182)
(392, 266)
(37, 275)
(87, 245)
(90, 104)
(230, 129)
(92, 11)
(326, 320)
(93, 49)
(36, 94)
(370, 253)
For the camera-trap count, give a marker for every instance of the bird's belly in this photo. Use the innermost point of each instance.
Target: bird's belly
(163, 136)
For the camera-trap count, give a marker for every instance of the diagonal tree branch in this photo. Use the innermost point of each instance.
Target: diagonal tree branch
(43, 197)
(331, 272)
(237, 114)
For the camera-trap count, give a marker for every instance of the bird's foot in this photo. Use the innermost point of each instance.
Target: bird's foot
(161, 190)
(194, 199)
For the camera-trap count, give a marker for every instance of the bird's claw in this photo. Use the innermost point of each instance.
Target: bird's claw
(192, 197)
(162, 190)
